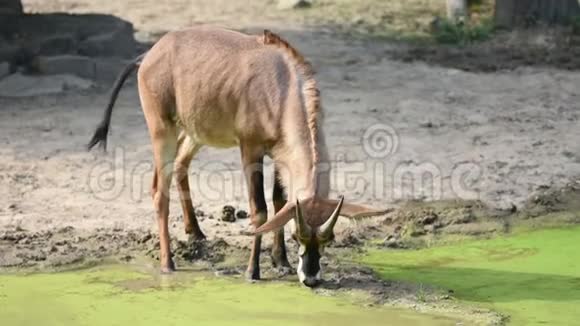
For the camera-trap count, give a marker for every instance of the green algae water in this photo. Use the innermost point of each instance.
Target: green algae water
(532, 277)
(119, 295)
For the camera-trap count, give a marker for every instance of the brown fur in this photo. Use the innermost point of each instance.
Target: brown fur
(310, 87)
(208, 86)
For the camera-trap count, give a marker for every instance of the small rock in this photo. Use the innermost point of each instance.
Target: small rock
(430, 218)
(352, 61)
(19, 85)
(241, 214)
(11, 53)
(392, 242)
(57, 44)
(119, 43)
(357, 20)
(568, 154)
(429, 228)
(427, 124)
(11, 7)
(107, 69)
(227, 272)
(228, 214)
(24, 241)
(65, 64)
(294, 4)
(463, 218)
(347, 77)
(146, 238)
(4, 69)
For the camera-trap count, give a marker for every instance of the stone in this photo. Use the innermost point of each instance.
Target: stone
(119, 43)
(107, 69)
(65, 64)
(394, 243)
(10, 53)
(294, 4)
(429, 218)
(57, 45)
(19, 85)
(11, 7)
(429, 228)
(4, 69)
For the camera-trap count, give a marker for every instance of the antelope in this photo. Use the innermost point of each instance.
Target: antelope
(221, 88)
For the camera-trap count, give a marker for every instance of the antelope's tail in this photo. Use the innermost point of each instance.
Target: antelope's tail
(101, 133)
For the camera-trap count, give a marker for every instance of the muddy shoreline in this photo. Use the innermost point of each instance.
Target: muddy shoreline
(413, 225)
(68, 249)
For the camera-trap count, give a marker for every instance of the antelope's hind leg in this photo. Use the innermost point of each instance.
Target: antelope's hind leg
(187, 149)
(252, 161)
(164, 140)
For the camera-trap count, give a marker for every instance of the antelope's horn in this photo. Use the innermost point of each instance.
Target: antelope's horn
(302, 228)
(327, 229)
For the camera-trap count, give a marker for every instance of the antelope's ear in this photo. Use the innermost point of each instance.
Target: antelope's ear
(278, 221)
(354, 211)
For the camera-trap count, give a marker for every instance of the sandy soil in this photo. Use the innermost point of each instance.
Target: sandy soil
(396, 131)
(498, 137)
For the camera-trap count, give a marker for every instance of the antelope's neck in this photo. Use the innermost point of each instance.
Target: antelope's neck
(301, 176)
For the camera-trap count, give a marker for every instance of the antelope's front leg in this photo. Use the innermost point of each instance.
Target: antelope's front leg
(279, 257)
(252, 161)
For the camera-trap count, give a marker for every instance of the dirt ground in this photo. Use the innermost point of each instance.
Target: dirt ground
(398, 129)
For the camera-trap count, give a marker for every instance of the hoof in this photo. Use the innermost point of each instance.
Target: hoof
(253, 275)
(196, 236)
(170, 268)
(280, 262)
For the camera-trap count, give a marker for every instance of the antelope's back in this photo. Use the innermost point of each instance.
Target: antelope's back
(221, 85)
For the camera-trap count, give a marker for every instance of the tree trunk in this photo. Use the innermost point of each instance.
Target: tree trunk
(457, 10)
(512, 13)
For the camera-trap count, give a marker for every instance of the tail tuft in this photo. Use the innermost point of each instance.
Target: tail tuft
(100, 136)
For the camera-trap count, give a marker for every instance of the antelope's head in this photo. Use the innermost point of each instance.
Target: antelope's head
(314, 221)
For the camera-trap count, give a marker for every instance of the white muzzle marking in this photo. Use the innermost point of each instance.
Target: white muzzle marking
(302, 276)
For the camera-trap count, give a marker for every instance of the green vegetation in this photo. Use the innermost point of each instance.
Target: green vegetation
(406, 20)
(534, 277)
(575, 25)
(117, 295)
(448, 32)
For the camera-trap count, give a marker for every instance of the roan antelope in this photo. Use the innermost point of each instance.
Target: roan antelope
(221, 88)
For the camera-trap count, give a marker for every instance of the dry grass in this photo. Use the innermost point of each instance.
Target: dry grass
(392, 18)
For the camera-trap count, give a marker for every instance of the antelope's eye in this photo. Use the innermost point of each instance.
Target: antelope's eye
(294, 237)
(302, 250)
